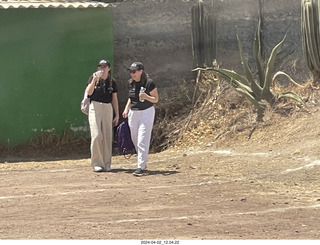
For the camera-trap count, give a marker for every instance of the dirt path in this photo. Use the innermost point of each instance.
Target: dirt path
(227, 193)
(265, 187)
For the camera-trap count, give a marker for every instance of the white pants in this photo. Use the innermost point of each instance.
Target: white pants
(100, 121)
(141, 123)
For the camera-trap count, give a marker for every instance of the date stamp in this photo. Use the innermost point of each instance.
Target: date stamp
(160, 242)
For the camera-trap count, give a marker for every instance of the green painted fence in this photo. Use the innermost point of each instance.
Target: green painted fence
(46, 57)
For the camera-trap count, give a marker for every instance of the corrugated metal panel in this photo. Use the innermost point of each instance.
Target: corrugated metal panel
(51, 4)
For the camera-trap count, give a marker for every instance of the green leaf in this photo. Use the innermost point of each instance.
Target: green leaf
(257, 90)
(233, 78)
(257, 55)
(234, 75)
(270, 64)
(292, 95)
(258, 104)
(281, 73)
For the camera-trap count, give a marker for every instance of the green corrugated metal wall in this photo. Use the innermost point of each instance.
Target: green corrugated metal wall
(46, 57)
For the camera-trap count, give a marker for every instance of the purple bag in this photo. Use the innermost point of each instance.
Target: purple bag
(125, 144)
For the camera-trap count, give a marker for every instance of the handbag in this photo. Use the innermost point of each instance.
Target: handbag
(85, 103)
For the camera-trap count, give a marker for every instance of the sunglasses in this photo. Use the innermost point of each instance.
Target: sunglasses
(133, 72)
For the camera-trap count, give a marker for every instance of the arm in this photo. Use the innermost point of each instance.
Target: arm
(90, 87)
(115, 105)
(126, 109)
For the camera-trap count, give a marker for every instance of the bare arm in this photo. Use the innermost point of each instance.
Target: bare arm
(90, 87)
(126, 109)
(115, 105)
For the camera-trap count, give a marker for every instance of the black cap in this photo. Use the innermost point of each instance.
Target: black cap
(104, 63)
(136, 66)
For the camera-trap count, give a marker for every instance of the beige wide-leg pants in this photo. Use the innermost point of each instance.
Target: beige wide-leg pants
(100, 121)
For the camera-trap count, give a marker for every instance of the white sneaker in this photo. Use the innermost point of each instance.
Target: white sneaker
(98, 169)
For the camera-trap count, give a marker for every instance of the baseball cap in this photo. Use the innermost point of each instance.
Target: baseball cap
(136, 66)
(104, 63)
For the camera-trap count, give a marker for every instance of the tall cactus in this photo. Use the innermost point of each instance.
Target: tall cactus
(210, 43)
(310, 31)
(203, 35)
(197, 16)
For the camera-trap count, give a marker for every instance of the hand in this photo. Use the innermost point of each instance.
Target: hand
(115, 121)
(124, 114)
(143, 96)
(95, 78)
(99, 73)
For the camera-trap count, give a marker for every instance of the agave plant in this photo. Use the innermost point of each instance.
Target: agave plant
(258, 91)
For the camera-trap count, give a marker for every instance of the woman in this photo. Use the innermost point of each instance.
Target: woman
(140, 112)
(102, 91)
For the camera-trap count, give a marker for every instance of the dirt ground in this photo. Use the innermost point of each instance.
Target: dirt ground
(265, 187)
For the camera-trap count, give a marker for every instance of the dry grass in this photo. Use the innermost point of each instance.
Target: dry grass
(48, 145)
(220, 113)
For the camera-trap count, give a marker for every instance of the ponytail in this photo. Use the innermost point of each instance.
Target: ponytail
(144, 78)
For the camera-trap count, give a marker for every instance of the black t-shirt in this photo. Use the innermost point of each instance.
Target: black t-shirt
(134, 90)
(103, 90)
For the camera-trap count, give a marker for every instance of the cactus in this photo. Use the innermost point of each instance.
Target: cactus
(197, 16)
(310, 31)
(203, 35)
(210, 39)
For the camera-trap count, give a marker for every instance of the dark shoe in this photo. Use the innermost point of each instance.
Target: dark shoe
(138, 172)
